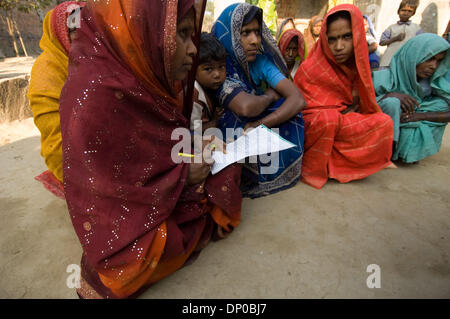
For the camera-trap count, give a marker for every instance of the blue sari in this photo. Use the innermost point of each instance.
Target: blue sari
(256, 183)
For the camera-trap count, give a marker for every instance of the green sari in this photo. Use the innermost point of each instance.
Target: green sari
(415, 140)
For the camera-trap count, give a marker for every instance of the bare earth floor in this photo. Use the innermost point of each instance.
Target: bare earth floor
(301, 243)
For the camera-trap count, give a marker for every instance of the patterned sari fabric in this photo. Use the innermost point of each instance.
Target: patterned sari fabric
(288, 170)
(284, 41)
(132, 211)
(415, 140)
(48, 75)
(344, 147)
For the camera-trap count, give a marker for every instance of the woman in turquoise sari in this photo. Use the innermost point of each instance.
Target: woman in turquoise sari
(257, 91)
(415, 92)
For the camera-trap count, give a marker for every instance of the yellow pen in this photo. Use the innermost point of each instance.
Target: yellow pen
(186, 155)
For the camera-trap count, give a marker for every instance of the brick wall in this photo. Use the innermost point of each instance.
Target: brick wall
(431, 15)
(300, 10)
(31, 29)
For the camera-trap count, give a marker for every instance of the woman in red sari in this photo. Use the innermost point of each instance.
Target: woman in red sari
(292, 47)
(347, 137)
(138, 214)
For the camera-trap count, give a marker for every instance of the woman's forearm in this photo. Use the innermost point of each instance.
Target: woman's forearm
(442, 117)
(290, 108)
(293, 104)
(249, 105)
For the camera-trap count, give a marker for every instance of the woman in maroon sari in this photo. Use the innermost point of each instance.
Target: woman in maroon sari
(138, 215)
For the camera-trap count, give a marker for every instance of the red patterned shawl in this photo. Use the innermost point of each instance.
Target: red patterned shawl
(287, 37)
(325, 84)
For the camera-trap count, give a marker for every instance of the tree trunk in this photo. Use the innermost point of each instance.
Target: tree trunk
(20, 38)
(11, 33)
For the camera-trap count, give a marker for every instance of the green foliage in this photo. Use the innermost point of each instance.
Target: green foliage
(24, 5)
(8, 5)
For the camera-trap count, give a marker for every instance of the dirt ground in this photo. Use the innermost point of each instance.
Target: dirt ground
(300, 243)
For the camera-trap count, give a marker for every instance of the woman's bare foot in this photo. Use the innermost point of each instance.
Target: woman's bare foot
(391, 166)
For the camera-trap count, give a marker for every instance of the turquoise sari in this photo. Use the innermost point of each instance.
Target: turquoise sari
(415, 140)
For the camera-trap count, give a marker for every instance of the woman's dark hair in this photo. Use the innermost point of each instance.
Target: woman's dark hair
(339, 15)
(210, 49)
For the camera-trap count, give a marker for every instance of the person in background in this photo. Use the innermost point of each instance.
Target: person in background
(312, 33)
(347, 136)
(374, 56)
(287, 24)
(48, 75)
(292, 47)
(257, 91)
(414, 91)
(399, 33)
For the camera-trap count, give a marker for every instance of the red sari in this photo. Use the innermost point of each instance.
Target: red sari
(287, 37)
(136, 220)
(343, 147)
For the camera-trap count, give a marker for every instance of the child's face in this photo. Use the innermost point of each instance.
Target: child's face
(406, 13)
(340, 40)
(212, 74)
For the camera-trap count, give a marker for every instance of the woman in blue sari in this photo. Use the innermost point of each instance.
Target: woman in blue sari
(257, 91)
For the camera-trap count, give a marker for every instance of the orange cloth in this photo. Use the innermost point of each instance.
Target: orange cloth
(343, 147)
(126, 280)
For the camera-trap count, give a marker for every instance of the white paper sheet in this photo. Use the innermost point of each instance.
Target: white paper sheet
(258, 141)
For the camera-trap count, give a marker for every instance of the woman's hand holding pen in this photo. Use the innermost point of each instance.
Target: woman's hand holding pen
(203, 160)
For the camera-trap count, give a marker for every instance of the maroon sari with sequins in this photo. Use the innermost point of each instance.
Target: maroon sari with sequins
(134, 217)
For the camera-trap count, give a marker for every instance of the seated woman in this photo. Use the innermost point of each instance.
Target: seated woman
(48, 75)
(254, 62)
(414, 91)
(312, 33)
(292, 47)
(139, 213)
(374, 56)
(347, 137)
